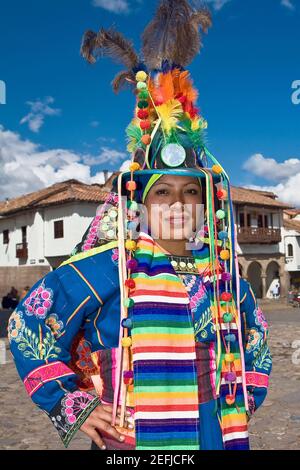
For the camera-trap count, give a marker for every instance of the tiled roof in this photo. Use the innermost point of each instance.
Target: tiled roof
(291, 225)
(257, 198)
(59, 193)
(73, 190)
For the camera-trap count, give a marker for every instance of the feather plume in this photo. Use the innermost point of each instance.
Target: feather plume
(109, 43)
(169, 113)
(134, 135)
(122, 80)
(173, 34)
(162, 91)
(88, 45)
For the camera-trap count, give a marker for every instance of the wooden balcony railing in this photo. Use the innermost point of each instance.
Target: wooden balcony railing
(21, 250)
(258, 235)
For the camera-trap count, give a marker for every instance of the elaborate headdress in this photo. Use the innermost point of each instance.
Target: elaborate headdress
(167, 136)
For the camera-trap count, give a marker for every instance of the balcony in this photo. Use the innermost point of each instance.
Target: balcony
(258, 235)
(21, 250)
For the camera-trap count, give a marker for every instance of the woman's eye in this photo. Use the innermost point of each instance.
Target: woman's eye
(160, 192)
(192, 191)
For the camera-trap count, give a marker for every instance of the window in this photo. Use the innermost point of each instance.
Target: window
(248, 220)
(5, 237)
(59, 229)
(260, 221)
(290, 250)
(266, 221)
(242, 220)
(24, 235)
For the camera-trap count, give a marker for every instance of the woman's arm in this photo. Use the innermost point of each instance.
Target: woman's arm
(258, 360)
(41, 331)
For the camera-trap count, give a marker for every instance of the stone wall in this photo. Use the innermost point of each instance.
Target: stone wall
(20, 277)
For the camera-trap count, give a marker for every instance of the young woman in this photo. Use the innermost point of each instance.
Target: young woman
(150, 306)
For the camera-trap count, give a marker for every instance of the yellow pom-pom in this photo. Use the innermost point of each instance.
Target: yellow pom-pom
(217, 169)
(134, 166)
(130, 245)
(126, 342)
(141, 76)
(225, 254)
(229, 357)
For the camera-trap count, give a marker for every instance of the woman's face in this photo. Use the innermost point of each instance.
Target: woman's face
(173, 204)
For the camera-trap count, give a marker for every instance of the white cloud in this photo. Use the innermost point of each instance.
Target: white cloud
(114, 6)
(94, 123)
(39, 109)
(217, 4)
(24, 167)
(285, 177)
(288, 4)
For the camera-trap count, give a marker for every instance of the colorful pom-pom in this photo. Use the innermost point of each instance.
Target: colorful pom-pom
(229, 358)
(130, 283)
(230, 377)
(226, 296)
(224, 254)
(131, 185)
(128, 302)
(220, 214)
(146, 139)
(128, 381)
(134, 166)
(126, 323)
(126, 342)
(141, 86)
(144, 125)
(227, 317)
(141, 76)
(142, 114)
(128, 374)
(223, 235)
(131, 264)
(230, 338)
(142, 104)
(217, 169)
(222, 194)
(226, 277)
(130, 245)
(230, 399)
(132, 205)
(143, 95)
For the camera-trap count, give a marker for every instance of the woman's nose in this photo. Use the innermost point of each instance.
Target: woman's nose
(177, 205)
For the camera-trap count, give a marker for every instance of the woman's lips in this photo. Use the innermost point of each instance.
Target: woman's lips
(177, 220)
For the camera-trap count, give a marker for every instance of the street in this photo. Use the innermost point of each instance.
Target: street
(276, 425)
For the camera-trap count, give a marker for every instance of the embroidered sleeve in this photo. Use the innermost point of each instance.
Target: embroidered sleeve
(258, 360)
(41, 331)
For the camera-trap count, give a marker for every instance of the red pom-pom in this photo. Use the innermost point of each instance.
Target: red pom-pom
(142, 114)
(131, 185)
(130, 283)
(145, 125)
(226, 296)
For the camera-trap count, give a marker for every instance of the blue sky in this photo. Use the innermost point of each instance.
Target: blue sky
(61, 118)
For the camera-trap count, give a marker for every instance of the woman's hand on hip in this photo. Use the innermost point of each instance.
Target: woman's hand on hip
(99, 422)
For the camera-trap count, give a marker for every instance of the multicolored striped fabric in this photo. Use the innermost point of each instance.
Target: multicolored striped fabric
(164, 357)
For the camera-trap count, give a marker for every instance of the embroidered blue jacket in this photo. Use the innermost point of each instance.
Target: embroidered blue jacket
(83, 293)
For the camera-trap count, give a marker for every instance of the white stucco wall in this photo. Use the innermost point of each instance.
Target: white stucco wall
(40, 233)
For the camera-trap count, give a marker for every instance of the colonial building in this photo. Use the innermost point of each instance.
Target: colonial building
(259, 222)
(39, 230)
(290, 244)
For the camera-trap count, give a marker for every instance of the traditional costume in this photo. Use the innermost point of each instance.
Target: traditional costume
(179, 341)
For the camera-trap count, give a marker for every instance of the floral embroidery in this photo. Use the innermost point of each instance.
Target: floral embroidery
(39, 302)
(260, 319)
(73, 404)
(37, 347)
(263, 358)
(15, 326)
(70, 413)
(254, 340)
(115, 256)
(54, 324)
